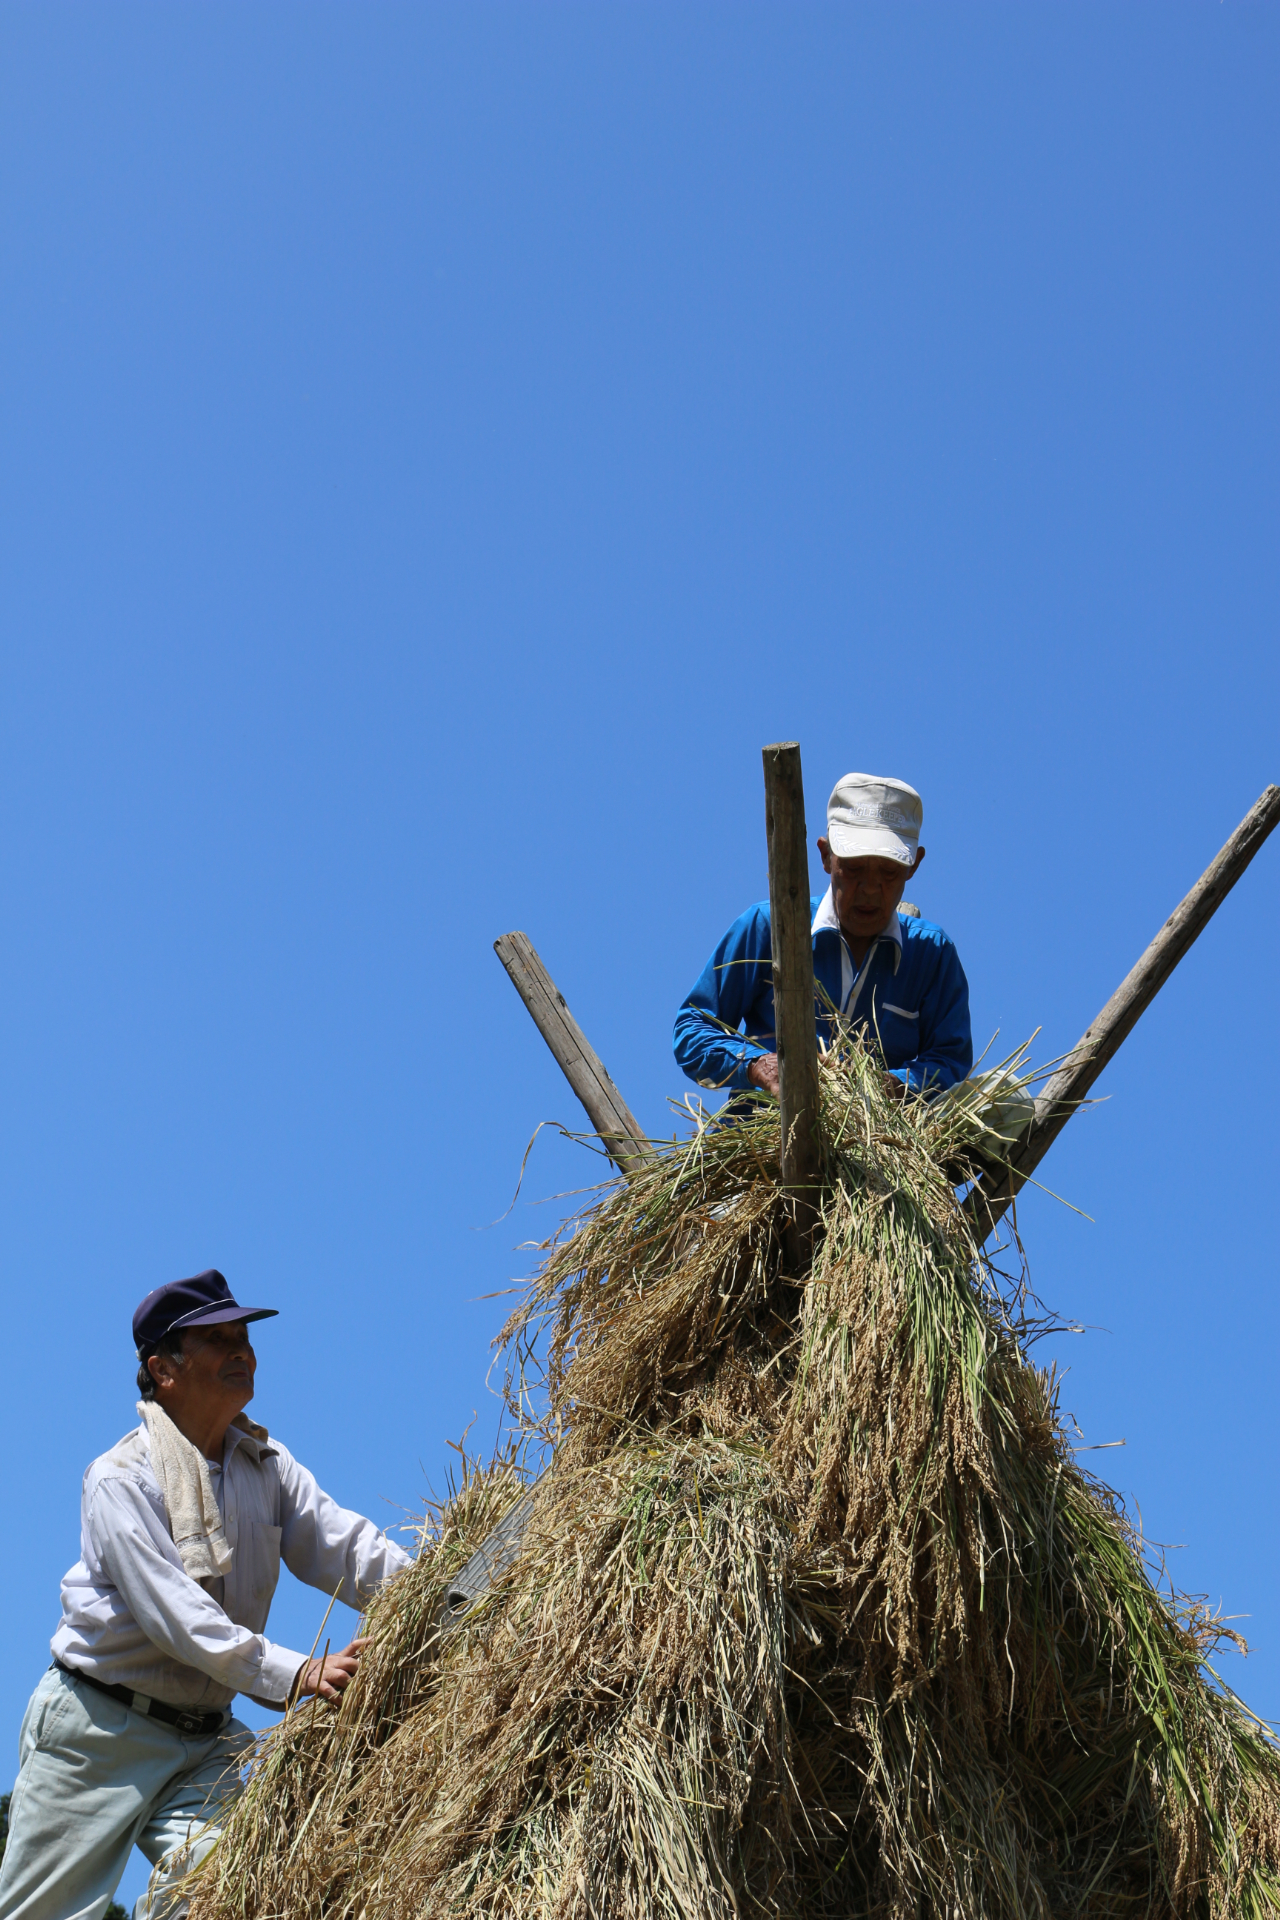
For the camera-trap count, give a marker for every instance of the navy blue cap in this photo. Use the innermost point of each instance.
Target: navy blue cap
(202, 1301)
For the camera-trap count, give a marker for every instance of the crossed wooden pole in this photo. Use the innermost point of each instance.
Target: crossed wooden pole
(793, 991)
(800, 1169)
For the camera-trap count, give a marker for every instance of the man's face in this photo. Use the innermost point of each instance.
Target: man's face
(865, 892)
(216, 1375)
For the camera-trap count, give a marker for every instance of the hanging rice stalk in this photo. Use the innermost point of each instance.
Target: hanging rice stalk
(816, 1613)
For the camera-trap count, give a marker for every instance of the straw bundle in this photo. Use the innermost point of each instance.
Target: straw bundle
(816, 1614)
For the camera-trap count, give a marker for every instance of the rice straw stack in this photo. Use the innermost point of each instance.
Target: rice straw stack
(817, 1613)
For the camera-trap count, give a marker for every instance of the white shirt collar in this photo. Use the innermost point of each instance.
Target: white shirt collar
(851, 981)
(243, 1432)
(826, 917)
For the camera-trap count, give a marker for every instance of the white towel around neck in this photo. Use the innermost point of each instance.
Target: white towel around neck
(187, 1486)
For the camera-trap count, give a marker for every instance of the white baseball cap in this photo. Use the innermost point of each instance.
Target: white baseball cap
(870, 815)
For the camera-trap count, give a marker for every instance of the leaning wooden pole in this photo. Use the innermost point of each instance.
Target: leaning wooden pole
(793, 992)
(608, 1112)
(627, 1147)
(1068, 1086)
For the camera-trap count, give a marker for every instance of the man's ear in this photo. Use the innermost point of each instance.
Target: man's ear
(915, 870)
(824, 848)
(160, 1367)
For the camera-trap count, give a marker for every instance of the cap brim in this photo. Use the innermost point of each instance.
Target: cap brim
(217, 1316)
(869, 843)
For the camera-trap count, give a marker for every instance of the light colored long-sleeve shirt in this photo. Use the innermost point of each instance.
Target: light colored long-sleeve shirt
(133, 1616)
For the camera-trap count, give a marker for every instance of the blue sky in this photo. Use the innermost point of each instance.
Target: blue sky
(442, 446)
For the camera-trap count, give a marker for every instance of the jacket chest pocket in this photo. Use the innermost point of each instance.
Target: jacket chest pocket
(261, 1573)
(899, 1033)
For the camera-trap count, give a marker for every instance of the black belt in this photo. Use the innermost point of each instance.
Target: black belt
(193, 1726)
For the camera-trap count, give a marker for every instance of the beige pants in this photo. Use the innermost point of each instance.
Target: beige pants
(97, 1779)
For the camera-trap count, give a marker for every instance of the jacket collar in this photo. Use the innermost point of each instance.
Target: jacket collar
(824, 920)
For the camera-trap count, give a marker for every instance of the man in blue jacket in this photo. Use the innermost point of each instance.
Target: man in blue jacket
(889, 974)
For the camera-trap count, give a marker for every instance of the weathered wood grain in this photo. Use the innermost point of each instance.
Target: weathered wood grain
(793, 990)
(1069, 1085)
(581, 1065)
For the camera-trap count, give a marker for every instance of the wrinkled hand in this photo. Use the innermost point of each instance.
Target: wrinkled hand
(328, 1677)
(763, 1072)
(895, 1088)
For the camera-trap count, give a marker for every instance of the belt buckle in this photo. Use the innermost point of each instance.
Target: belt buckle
(189, 1723)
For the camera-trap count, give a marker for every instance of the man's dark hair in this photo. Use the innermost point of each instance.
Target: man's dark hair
(170, 1345)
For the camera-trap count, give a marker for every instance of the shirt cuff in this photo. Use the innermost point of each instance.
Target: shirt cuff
(732, 1077)
(278, 1673)
(742, 1081)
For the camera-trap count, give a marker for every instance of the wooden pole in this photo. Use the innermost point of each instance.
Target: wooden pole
(790, 915)
(582, 1066)
(1067, 1087)
(627, 1147)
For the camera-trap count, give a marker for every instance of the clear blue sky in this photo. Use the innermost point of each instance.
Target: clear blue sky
(441, 446)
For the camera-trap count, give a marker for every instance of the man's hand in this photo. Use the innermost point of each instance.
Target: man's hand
(763, 1072)
(329, 1676)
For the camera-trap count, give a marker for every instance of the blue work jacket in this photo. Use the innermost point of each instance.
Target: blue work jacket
(910, 993)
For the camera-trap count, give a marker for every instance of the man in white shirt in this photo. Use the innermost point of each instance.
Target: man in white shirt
(129, 1739)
